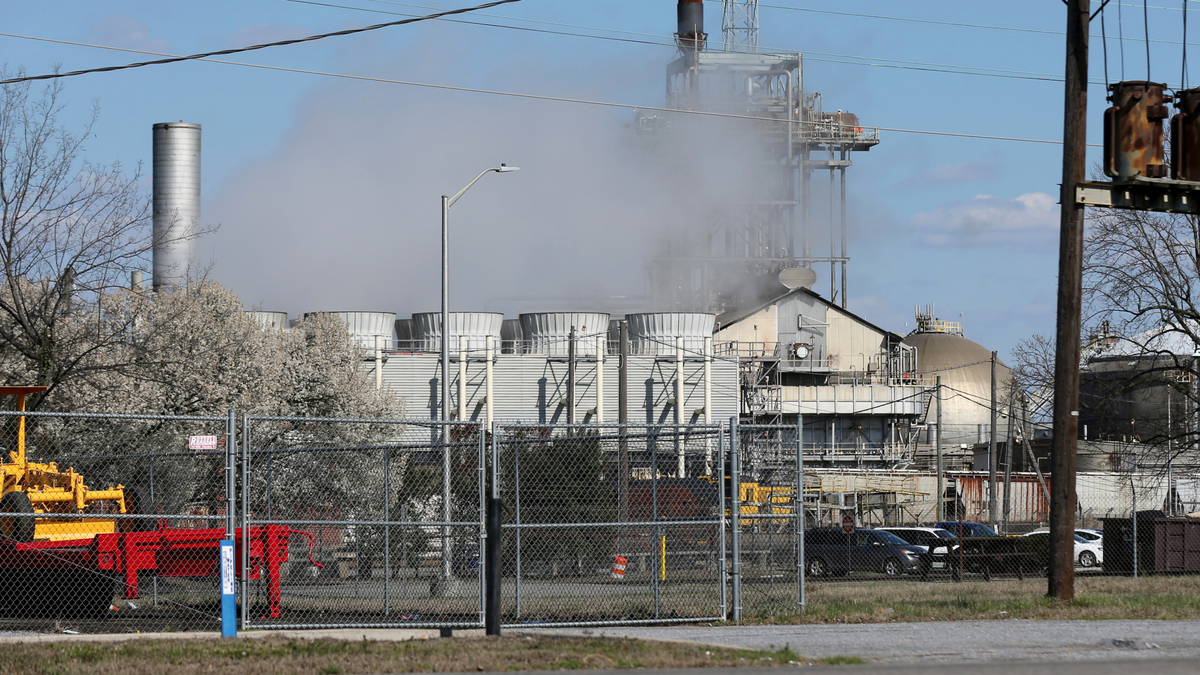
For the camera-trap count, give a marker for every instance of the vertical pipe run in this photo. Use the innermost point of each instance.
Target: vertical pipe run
(993, 494)
(708, 350)
(842, 212)
(489, 351)
(601, 352)
(941, 474)
(832, 235)
(571, 378)
(623, 421)
(378, 362)
(681, 469)
(462, 382)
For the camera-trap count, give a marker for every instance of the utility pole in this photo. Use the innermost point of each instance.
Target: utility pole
(1061, 579)
(993, 495)
(941, 473)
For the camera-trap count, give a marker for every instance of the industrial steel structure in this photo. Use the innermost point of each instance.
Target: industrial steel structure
(782, 135)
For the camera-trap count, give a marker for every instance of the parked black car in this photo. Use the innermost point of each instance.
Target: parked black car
(829, 551)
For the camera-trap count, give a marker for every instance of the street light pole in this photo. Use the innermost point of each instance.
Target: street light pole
(447, 202)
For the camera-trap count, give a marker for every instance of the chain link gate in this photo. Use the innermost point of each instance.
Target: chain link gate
(362, 507)
(767, 518)
(89, 498)
(611, 524)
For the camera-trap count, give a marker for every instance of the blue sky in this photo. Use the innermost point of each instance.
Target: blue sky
(326, 189)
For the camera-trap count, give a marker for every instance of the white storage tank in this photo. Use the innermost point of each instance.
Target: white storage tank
(469, 331)
(549, 332)
(270, 320)
(364, 326)
(655, 332)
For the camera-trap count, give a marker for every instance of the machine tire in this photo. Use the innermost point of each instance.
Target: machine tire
(17, 529)
(817, 568)
(137, 501)
(892, 567)
(1087, 559)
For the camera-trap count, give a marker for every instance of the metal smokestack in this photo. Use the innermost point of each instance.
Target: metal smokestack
(691, 33)
(176, 186)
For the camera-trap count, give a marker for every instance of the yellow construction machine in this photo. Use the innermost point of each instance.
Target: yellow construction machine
(40, 488)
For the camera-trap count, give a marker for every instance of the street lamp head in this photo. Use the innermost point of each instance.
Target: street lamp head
(504, 168)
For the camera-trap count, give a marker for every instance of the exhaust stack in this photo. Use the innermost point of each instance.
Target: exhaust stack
(691, 33)
(176, 187)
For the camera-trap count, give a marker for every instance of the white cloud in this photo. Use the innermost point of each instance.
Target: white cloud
(1031, 218)
(119, 30)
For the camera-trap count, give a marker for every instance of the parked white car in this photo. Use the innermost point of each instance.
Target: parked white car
(1087, 553)
(1094, 536)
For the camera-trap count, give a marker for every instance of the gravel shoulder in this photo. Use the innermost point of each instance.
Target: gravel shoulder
(947, 641)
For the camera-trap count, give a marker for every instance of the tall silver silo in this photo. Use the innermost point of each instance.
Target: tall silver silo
(549, 332)
(176, 200)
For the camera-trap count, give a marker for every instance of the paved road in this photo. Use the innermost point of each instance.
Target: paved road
(951, 642)
(1117, 667)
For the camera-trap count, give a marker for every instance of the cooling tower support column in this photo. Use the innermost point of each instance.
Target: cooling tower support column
(378, 362)
(462, 384)
(488, 351)
(176, 200)
(679, 448)
(601, 349)
(708, 347)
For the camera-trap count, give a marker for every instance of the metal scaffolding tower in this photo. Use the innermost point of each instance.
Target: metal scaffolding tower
(739, 25)
(762, 224)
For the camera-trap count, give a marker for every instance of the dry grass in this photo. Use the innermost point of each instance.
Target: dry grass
(279, 656)
(1156, 597)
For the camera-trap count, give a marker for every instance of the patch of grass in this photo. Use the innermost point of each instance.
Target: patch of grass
(1096, 598)
(842, 661)
(334, 657)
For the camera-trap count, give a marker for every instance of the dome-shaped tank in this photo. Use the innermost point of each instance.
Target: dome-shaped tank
(656, 332)
(469, 331)
(364, 326)
(549, 333)
(271, 320)
(966, 371)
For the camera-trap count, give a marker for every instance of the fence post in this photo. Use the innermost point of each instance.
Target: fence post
(721, 511)
(481, 540)
(245, 562)
(1133, 491)
(230, 473)
(387, 531)
(799, 506)
(654, 519)
(735, 485)
(492, 620)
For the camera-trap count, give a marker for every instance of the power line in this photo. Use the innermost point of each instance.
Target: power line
(281, 43)
(668, 41)
(536, 97)
(955, 24)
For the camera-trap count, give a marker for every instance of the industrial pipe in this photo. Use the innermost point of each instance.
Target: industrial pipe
(601, 348)
(679, 449)
(488, 380)
(690, 34)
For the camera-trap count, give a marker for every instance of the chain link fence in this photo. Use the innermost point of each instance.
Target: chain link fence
(111, 523)
(611, 524)
(383, 520)
(88, 500)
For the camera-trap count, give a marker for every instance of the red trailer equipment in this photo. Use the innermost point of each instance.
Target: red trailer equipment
(76, 578)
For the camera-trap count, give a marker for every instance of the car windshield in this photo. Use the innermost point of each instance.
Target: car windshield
(891, 538)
